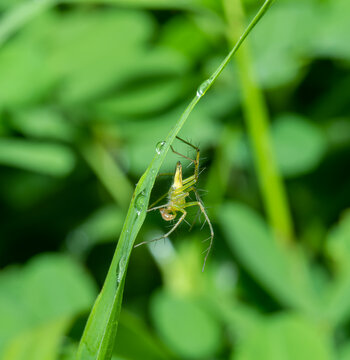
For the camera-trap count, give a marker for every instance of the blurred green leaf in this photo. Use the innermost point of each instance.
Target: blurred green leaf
(183, 34)
(147, 98)
(42, 123)
(90, 66)
(147, 4)
(159, 4)
(68, 351)
(103, 225)
(26, 189)
(46, 158)
(18, 16)
(333, 30)
(37, 304)
(289, 28)
(298, 31)
(186, 326)
(108, 171)
(338, 249)
(283, 337)
(24, 72)
(144, 4)
(299, 145)
(338, 243)
(77, 56)
(283, 272)
(40, 343)
(344, 353)
(5, 4)
(133, 331)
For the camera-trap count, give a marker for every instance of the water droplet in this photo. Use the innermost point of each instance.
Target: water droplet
(159, 147)
(121, 269)
(140, 202)
(203, 87)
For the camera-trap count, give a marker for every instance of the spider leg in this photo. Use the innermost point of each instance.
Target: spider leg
(195, 162)
(184, 156)
(170, 231)
(197, 195)
(188, 143)
(191, 179)
(165, 174)
(157, 207)
(157, 201)
(186, 222)
(199, 200)
(183, 188)
(199, 203)
(199, 211)
(195, 219)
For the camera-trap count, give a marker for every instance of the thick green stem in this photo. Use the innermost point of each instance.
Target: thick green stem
(257, 120)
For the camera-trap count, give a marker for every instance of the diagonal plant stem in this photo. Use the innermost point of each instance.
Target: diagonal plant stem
(98, 338)
(257, 120)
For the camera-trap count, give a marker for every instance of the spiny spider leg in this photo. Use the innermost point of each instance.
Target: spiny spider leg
(189, 179)
(195, 219)
(184, 156)
(199, 211)
(189, 144)
(198, 203)
(196, 161)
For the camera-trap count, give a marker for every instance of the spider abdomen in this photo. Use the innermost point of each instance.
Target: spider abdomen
(167, 214)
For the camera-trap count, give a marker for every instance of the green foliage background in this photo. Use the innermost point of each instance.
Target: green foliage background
(87, 90)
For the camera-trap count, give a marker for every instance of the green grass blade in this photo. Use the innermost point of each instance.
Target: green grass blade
(98, 338)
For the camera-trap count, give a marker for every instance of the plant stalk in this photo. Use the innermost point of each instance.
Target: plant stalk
(257, 121)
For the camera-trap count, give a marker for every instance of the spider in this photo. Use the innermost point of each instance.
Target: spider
(177, 194)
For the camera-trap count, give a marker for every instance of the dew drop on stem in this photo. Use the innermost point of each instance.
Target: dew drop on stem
(121, 269)
(140, 202)
(160, 147)
(203, 87)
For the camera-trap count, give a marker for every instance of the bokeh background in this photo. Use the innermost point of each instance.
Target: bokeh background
(87, 90)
